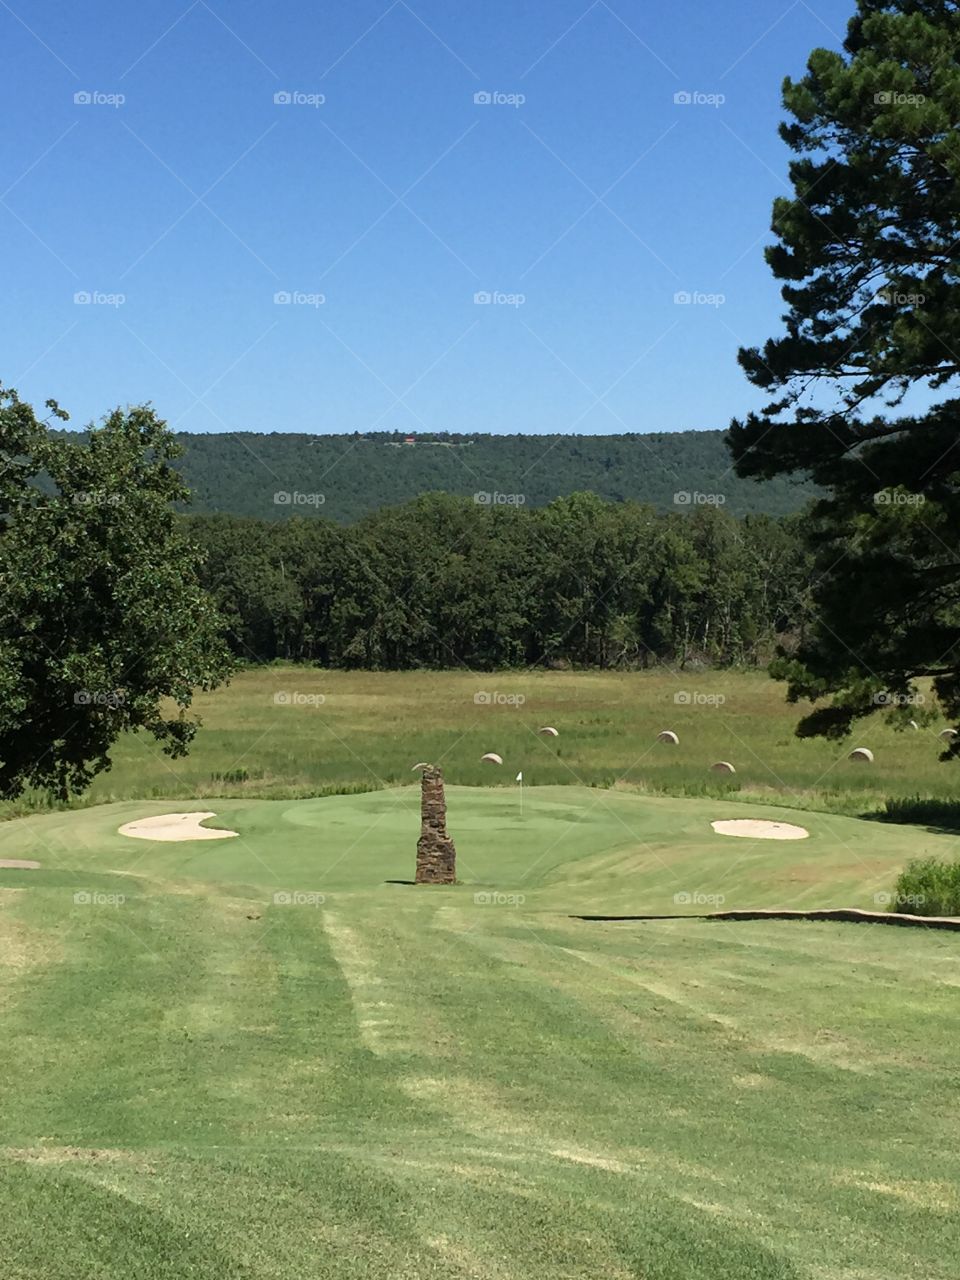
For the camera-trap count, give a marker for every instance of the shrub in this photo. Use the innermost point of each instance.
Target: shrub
(928, 887)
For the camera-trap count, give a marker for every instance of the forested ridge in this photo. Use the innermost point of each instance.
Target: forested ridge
(445, 582)
(332, 569)
(349, 476)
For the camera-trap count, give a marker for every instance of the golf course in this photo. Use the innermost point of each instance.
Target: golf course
(480, 641)
(271, 1055)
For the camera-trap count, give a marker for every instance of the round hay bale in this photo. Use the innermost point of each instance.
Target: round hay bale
(492, 758)
(667, 735)
(722, 766)
(862, 755)
(947, 733)
(548, 731)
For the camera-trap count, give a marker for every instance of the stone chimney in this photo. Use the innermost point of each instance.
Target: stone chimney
(436, 854)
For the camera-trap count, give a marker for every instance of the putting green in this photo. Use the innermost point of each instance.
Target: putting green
(569, 848)
(263, 1058)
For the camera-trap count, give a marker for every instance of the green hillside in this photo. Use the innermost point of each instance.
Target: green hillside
(347, 476)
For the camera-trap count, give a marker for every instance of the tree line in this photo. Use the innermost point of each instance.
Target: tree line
(443, 581)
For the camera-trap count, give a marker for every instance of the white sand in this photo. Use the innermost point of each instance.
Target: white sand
(760, 829)
(173, 826)
(23, 863)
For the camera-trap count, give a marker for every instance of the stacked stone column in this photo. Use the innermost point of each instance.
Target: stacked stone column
(436, 853)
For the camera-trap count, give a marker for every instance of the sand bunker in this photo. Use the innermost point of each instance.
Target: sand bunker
(760, 829)
(23, 863)
(173, 826)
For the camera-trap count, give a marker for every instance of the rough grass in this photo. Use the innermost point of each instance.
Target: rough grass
(370, 1080)
(371, 727)
(923, 811)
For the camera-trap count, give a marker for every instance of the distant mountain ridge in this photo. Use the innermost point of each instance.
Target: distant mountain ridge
(273, 476)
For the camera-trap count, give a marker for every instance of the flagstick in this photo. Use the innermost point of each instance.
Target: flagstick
(520, 780)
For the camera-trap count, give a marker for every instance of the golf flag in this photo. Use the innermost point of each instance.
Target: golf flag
(520, 776)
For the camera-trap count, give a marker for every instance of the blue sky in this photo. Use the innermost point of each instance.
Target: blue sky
(182, 199)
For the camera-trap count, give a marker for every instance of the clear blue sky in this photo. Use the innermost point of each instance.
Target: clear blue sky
(199, 198)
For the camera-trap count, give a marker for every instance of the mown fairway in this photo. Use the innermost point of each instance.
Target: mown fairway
(221, 1075)
(371, 727)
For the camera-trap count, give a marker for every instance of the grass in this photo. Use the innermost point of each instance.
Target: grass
(371, 727)
(258, 1059)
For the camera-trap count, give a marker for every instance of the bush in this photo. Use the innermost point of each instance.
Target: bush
(928, 887)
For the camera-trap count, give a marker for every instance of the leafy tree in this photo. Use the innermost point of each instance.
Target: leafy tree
(869, 252)
(103, 617)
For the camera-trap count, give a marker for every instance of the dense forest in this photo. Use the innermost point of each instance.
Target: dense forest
(345, 477)
(443, 581)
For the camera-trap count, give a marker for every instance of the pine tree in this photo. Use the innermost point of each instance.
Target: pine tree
(863, 378)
